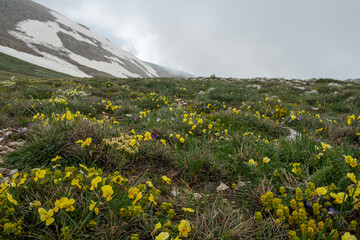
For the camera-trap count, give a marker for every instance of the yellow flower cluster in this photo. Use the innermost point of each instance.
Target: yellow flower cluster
(126, 143)
(312, 211)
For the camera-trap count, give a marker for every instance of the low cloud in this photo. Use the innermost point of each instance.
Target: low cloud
(280, 38)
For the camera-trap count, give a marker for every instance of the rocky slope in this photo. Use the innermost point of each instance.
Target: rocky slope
(36, 34)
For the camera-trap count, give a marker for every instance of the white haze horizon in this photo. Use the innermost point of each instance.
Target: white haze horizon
(240, 39)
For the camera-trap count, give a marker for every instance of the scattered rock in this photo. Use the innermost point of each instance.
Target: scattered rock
(311, 92)
(351, 99)
(222, 187)
(128, 115)
(258, 87)
(16, 144)
(201, 93)
(292, 135)
(300, 87)
(210, 90)
(334, 85)
(12, 172)
(213, 76)
(197, 196)
(175, 192)
(240, 184)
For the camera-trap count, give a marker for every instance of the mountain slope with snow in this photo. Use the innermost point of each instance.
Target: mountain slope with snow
(36, 34)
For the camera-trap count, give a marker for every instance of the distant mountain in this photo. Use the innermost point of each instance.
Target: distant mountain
(38, 35)
(168, 72)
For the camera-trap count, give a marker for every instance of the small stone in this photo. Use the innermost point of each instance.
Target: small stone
(175, 192)
(201, 93)
(351, 99)
(311, 92)
(4, 148)
(210, 90)
(16, 144)
(300, 87)
(12, 172)
(334, 85)
(128, 115)
(258, 87)
(197, 196)
(240, 184)
(222, 187)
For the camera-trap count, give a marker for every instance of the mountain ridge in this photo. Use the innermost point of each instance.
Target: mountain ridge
(41, 36)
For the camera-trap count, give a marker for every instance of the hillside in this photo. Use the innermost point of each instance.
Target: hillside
(13, 66)
(43, 37)
(192, 159)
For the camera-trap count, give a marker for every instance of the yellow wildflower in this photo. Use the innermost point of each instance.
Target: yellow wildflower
(92, 206)
(88, 141)
(188, 210)
(252, 162)
(339, 197)
(157, 227)
(55, 159)
(148, 136)
(150, 184)
(132, 192)
(352, 177)
(266, 159)
(75, 182)
(182, 140)
(11, 199)
(184, 228)
(95, 182)
(39, 174)
(162, 236)
(46, 216)
(137, 198)
(152, 199)
(163, 141)
(166, 179)
(348, 236)
(107, 192)
(321, 191)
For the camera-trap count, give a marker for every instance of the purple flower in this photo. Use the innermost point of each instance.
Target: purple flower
(152, 136)
(135, 118)
(172, 118)
(299, 118)
(272, 112)
(316, 198)
(319, 140)
(309, 203)
(290, 120)
(158, 119)
(332, 211)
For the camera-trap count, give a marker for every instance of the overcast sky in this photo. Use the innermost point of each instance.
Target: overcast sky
(231, 38)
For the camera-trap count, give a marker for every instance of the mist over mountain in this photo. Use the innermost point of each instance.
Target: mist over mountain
(41, 36)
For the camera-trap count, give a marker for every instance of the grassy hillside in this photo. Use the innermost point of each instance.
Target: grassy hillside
(189, 159)
(11, 65)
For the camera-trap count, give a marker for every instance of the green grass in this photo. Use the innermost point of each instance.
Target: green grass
(10, 66)
(222, 130)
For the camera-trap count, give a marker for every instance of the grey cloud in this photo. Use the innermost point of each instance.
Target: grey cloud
(248, 38)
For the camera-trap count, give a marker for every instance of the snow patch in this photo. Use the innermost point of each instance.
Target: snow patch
(48, 61)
